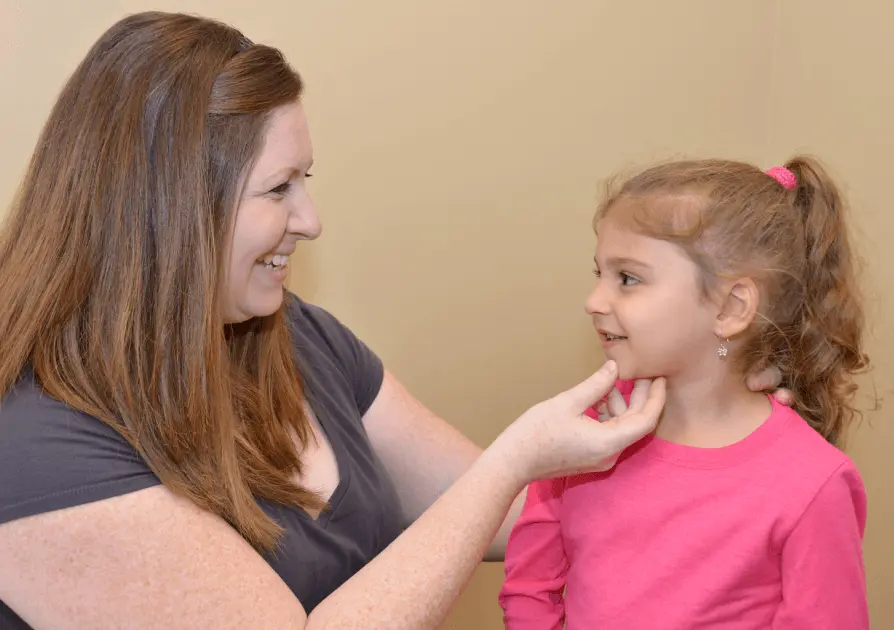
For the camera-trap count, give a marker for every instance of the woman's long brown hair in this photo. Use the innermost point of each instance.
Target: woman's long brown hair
(112, 257)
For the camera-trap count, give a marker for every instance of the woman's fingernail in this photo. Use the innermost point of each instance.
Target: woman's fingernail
(611, 366)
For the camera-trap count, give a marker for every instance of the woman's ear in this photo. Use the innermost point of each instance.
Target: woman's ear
(738, 308)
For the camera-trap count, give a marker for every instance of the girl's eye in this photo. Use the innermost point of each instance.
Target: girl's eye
(597, 273)
(627, 279)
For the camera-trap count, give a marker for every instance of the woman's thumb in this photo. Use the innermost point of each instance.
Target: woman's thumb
(584, 395)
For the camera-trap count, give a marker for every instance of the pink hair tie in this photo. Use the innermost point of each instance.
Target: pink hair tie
(784, 176)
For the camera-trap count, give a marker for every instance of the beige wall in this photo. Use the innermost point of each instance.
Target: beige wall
(459, 149)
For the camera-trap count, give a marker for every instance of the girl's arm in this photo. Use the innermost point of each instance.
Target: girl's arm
(823, 580)
(536, 565)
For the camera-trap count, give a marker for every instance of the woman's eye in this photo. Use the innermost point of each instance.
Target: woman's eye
(282, 188)
(597, 273)
(627, 279)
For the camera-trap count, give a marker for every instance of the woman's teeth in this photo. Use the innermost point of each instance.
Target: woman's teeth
(613, 337)
(275, 262)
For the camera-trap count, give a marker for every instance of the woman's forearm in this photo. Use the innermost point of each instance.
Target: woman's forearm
(414, 582)
(496, 552)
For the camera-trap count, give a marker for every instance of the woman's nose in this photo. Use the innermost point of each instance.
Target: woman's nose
(304, 220)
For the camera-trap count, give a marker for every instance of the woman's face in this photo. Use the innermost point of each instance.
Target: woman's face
(275, 212)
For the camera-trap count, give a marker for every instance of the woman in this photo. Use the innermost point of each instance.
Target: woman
(182, 442)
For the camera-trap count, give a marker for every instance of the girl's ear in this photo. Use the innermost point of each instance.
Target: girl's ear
(738, 307)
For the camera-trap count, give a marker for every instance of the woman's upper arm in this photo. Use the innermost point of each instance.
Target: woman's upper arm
(147, 559)
(422, 453)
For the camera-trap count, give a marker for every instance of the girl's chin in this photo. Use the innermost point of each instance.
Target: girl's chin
(633, 373)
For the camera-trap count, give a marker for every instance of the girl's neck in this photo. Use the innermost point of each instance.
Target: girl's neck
(711, 411)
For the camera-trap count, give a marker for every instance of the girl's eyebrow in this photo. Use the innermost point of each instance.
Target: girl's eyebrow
(625, 261)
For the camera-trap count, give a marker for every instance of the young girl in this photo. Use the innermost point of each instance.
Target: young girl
(738, 513)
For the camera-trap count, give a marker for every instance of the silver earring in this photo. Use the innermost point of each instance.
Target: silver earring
(723, 350)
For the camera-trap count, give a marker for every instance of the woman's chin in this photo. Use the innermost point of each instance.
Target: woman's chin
(260, 304)
(267, 305)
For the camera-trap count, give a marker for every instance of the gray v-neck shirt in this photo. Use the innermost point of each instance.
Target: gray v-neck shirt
(53, 457)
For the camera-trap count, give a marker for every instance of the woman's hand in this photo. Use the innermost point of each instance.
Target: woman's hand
(769, 379)
(765, 380)
(555, 438)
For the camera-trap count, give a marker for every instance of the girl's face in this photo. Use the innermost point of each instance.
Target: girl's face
(275, 213)
(647, 305)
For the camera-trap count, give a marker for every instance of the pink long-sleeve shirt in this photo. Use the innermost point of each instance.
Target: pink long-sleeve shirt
(765, 534)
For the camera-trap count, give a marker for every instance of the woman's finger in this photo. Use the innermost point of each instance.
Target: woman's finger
(767, 379)
(784, 396)
(616, 403)
(635, 425)
(640, 393)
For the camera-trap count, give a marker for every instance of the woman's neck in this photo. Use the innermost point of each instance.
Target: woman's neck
(712, 410)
